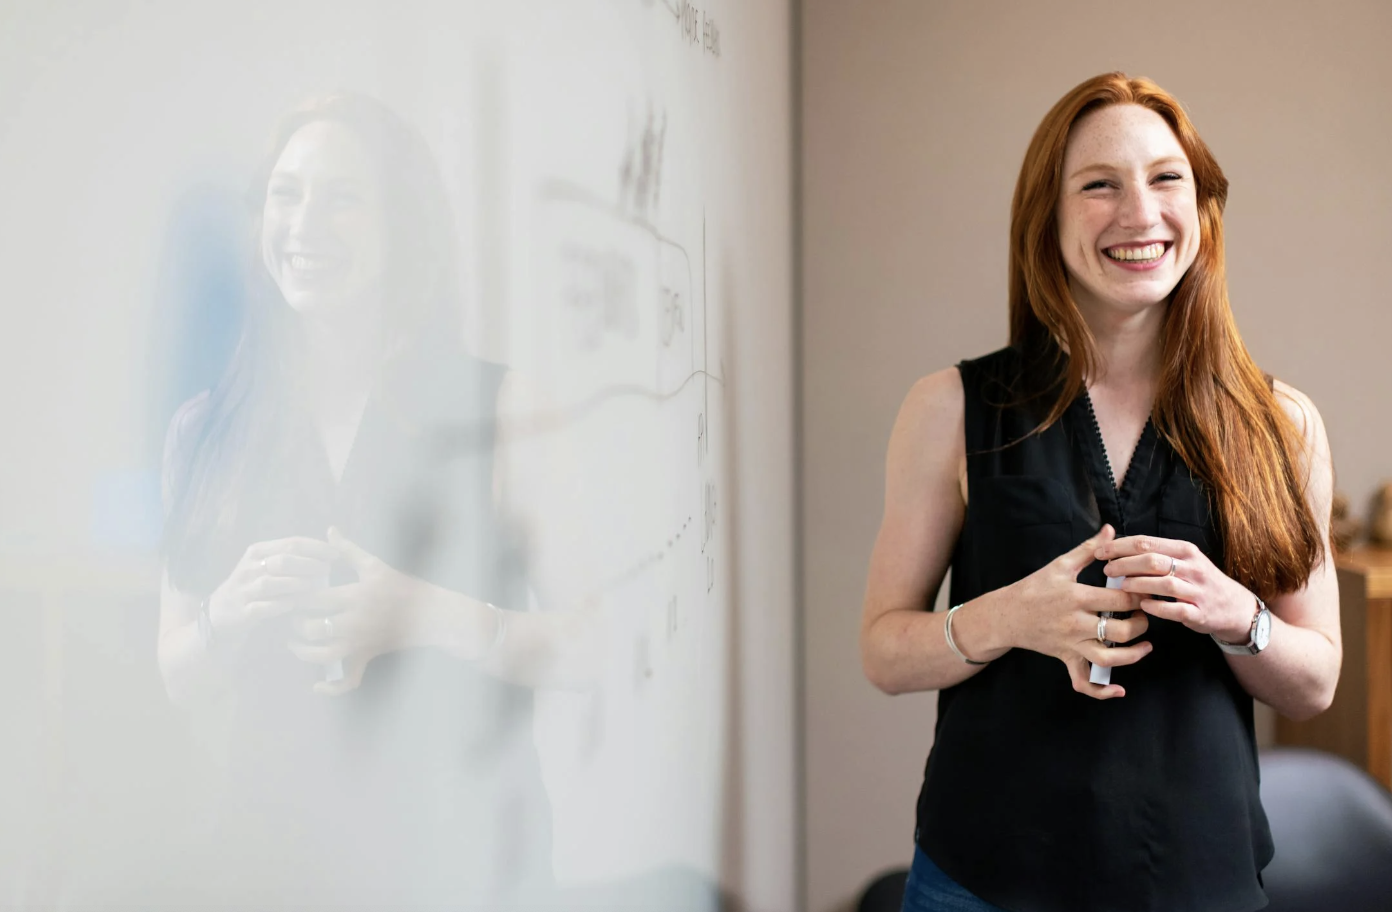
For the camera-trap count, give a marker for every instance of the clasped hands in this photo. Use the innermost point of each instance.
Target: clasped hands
(1206, 600)
(385, 610)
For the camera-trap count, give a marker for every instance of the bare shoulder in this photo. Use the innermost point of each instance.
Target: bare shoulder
(935, 404)
(1319, 462)
(1303, 414)
(184, 425)
(927, 448)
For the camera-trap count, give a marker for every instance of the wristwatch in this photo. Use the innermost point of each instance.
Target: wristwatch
(1260, 636)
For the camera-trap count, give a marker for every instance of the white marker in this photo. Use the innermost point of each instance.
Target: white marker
(1102, 674)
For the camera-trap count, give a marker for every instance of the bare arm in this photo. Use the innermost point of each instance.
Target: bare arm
(902, 645)
(1297, 672)
(191, 671)
(184, 659)
(559, 646)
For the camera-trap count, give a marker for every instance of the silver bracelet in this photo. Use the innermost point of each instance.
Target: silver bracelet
(500, 628)
(951, 643)
(206, 632)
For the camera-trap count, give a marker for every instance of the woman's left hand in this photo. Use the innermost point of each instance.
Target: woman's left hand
(1206, 599)
(357, 622)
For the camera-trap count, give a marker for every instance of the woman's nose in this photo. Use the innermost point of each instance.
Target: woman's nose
(309, 215)
(1140, 208)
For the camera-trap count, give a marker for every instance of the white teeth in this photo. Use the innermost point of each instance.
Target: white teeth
(302, 263)
(1137, 254)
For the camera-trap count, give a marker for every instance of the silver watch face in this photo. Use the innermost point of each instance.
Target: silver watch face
(1262, 634)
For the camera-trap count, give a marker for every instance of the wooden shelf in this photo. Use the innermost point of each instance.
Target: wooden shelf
(1358, 726)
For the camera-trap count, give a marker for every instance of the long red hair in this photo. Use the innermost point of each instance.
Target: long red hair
(1213, 404)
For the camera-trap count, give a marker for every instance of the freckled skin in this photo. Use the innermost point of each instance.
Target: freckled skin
(1145, 192)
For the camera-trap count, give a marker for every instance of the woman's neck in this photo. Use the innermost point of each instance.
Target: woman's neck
(339, 364)
(1128, 348)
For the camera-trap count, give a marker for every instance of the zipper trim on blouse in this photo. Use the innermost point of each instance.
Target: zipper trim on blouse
(1113, 491)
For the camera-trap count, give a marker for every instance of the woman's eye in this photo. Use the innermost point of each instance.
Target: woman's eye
(1095, 185)
(1170, 176)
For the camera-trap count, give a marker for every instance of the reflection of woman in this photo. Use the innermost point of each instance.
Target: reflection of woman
(339, 572)
(1126, 402)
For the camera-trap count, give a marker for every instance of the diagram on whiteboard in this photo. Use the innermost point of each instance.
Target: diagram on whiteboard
(614, 316)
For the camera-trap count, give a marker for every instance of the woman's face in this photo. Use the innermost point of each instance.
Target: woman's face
(323, 234)
(1128, 218)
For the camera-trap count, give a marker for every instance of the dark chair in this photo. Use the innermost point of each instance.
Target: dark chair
(885, 893)
(1332, 826)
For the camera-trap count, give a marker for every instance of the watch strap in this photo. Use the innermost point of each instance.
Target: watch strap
(1250, 647)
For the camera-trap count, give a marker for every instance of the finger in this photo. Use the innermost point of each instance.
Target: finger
(1146, 544)
(1126, 629)
(331, 600)
(288, 564)
(1115, 656)
(1150, 564)
(1084, 554)
(267, 608)
(315, 630)
(1095, 599)
(1172, 586)
(319, 653)
(300, 545)
(1185, 613)
(352, 677)
(357, 556)
(1078, 673)
(270, 587)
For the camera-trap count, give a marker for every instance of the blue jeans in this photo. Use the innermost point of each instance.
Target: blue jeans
(930, 890)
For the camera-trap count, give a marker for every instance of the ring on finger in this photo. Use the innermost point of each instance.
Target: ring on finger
(328, 628)
(1102, 628)
(1173, 563)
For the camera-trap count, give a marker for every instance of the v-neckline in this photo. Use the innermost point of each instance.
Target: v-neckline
(351, 455)
(1119, 494)
(325, 445)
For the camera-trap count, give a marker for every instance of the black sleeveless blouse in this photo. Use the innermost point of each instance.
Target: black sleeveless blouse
(423, 784)
(1040, 799)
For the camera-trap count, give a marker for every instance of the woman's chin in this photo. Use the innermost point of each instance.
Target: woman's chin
(1141, 296)
(316, 302)
(308, 304)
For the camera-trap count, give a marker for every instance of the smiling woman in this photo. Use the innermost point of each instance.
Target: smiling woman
(1128, 225)
(347, 585)
(1121, 490)
(323, 226)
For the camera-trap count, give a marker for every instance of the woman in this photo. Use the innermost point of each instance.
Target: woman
(342, 556)
(1121, 487)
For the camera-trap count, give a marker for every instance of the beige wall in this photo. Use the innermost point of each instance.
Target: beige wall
(915, 120)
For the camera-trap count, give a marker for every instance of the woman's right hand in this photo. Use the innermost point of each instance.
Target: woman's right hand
(269, 581)
(1057, 616)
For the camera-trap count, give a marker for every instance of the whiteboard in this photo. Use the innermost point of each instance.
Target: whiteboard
(619, 177)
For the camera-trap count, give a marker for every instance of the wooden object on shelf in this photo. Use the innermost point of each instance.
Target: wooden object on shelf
(1358, 726)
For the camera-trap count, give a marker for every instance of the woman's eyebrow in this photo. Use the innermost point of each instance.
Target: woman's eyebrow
(1108, 167)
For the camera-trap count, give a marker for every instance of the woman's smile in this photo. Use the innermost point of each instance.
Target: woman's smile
(316, 267)
(1138, 257)
(1127, 212)
(324, 229)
